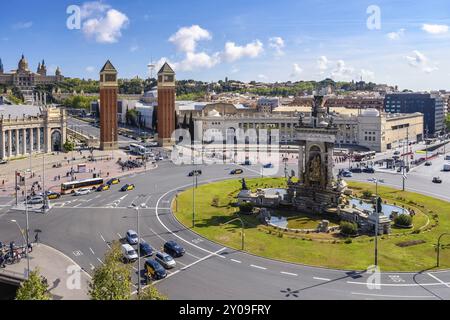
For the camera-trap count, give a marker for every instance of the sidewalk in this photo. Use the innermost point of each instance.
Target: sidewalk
(56, 268)
(108, 164)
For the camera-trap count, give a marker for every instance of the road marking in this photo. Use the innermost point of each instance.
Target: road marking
(92, 251)
(403, 284)
(101, 236)
(237, 261)
(439, 280)
(77, 253)
(321, 279)
(392, 296)
(135, 269)
(203, 259)
(100, 261)
(92, 266)
(258, 267)
(78, 205)
(119, 235)
(289, 273)
(190, 254)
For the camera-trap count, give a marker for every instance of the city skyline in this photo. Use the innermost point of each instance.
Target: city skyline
(282, 41)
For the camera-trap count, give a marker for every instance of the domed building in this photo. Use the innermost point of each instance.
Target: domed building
(25, 79)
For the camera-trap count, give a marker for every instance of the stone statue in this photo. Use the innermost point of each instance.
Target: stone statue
(315, 169)
(244, 184)
(379, 205)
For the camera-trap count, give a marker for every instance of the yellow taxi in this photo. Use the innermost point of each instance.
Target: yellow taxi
(53, 195)
(103, 187)
(113, 181)
(128, 187)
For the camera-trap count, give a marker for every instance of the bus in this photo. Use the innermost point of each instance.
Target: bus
(71, 187)
(138, 149)
(363, 156)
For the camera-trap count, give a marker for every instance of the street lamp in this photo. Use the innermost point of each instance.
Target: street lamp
(439, 247)
(136, 207)
(242, 228)
(377, 212)
(26, 240)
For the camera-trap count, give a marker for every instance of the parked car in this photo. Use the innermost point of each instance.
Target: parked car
(113, 181)
(437, 180)
(237, 171)
(165, 260)
(195, 172)
(103, 187)
(154, 270)
(356, 170)
(127, 187)
(428, 163)
(3, 161)
(82, 192)
(268, 166)
(347, 174)
(145, 249)
(129, 254)
(174, 249)
(247, 163)
(132, 237)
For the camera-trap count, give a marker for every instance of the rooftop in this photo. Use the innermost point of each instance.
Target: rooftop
(18, 111)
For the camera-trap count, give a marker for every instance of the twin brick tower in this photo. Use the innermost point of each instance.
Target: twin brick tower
(109, 90)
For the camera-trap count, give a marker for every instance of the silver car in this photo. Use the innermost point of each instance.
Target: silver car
(82, 192)
(165, 260)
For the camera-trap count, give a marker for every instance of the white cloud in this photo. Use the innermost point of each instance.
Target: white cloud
(105, 25)
(23, 25)
(435, 28)
(278, 44)
(420, 61)
(186, 38)
(367, 75)
(90, 69)
(200, 60)
(251, 50)
(296, 70)
(342, 71)
(93, 9)
(160, 63)
(134, 48)
(396, 35)
(322, 64)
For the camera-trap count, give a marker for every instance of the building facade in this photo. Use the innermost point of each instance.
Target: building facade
(166, 104)
(430, 105)
(25, 79)
(31, 129)
(108, 112)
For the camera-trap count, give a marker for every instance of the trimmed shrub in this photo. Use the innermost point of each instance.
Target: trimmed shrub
(403, 220)
(349, 228)
(246, 207)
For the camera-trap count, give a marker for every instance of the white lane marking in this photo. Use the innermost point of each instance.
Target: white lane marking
(100, 261)
(183, 264)
(321, 279)
(257, 267)
(439, 280)
(78, 205)
(119, 235)
(403, 284)
(101, 236)
(135, 269)
(92, 266)
(392, 296)
(92, 251)
(289, 273)
(190, 254)
(204, 258)
(237, 261)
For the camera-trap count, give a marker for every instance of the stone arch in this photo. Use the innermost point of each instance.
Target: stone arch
(56, 141)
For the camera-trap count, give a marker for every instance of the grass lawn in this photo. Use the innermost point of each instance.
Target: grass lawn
(214, 207)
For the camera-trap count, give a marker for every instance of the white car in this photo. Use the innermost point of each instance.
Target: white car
(165, 260)
(36, 200)
(129, 254)
(82, 192)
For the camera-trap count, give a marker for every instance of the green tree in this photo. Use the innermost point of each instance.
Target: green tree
(79, 102)
(69, 146)
(349, 228)
(112, 280)
(132, 117)
(151, 293)
(246, 207)
(34, 288)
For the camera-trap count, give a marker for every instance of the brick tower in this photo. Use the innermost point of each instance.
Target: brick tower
(108, 107)
(166, 105)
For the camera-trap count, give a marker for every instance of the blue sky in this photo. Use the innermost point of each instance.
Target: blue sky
(240, 39)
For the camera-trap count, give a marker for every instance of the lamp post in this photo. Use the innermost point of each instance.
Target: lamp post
(377, 213)
(136, 208)
(439, 247)
(26, 240)
(242, 228)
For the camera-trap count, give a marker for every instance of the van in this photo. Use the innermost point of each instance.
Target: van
(129, 254)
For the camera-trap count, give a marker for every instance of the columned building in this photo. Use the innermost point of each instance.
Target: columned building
(108, 112)
(31, 129)
(166, 104)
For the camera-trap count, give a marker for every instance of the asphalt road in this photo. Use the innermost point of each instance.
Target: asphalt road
(82, 228)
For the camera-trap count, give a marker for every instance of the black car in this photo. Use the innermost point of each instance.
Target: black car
(369, 170)
(145, 249)
(356, 170)
(195, 173)
(154, 270)
(174, 249)
(437, 180)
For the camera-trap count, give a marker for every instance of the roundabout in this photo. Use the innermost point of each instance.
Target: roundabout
(404, 249)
